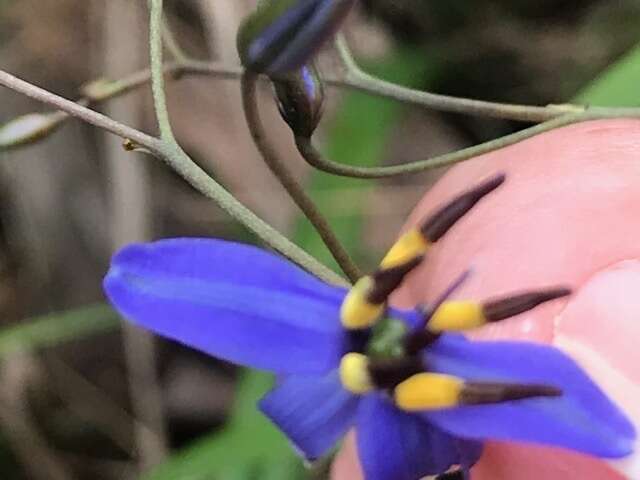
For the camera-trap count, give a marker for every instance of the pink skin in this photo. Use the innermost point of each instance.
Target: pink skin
(567, 215)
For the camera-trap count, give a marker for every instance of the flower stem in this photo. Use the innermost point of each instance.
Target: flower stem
(287, 180)
(315, 158)
(175, 156)
(360, 80)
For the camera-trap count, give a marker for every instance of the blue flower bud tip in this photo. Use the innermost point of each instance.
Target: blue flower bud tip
(281, 36)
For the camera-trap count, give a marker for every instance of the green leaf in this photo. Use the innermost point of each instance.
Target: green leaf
(617, 86)
(248, 447)
(56, 328)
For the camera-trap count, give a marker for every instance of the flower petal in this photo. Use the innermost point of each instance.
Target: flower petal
(314, 412)
(582, 419)
(283, 35)
(326, 19)
(396, 445)
(232, 301)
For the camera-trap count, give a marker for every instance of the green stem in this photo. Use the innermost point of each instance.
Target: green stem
(358, 79)
(287, 180)
(157, 74)
(315, 158)
(173, 154)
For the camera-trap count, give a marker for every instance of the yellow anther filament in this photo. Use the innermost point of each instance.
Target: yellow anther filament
(428, 391)
(409, 246)
(356, 311)
(457, 316)
(354, 373)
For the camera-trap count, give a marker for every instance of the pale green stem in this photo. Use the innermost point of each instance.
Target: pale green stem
(288, 181)
(317, 160)
(173, 154)
(358, 79)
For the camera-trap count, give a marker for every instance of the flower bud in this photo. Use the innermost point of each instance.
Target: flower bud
(100, 89)
(28, 129)
(300, 98)
(283, 35)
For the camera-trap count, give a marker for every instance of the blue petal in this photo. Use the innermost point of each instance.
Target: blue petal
(582, 419)
(314, 412)
(396, 445)
(274, 40)
(232, 301)
(413, 318)
(316, 29)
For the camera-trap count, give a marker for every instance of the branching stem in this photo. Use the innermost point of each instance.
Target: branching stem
(288, 181)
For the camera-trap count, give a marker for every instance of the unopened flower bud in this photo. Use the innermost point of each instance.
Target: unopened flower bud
(28, 129)
(300, 98)
(283, 35)
(100, 89)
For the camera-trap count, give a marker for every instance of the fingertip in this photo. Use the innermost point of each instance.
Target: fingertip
(346, 465)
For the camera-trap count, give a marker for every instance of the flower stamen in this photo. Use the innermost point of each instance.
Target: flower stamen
(361, 374)
(356, 311)
(354, 373)
(500, 309)
(365, 302)
(411, 245)
(442, 220)
(461, 315)
(388, 373)
(417, 241)
(431, 391)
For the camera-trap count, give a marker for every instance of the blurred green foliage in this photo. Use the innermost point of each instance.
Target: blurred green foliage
(56, 328)
(249, 447)
(617, 86)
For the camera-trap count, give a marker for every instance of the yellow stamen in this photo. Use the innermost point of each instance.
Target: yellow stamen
(409, 246)
(456, 316)
(356, 311)
(428, 391)
(354, 373)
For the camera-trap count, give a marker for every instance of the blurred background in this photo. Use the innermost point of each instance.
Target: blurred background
(81, 396)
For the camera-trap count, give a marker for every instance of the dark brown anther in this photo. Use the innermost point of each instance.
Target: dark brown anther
(442, 220)
(419, 340)
(480, 393)
(387, 373)
(387, 280)
(357, 340)
(496, 310)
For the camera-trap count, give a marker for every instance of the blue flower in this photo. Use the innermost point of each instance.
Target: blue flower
(421, 397)
(282, 36)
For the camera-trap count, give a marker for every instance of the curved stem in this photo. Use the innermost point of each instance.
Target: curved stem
(287, 180)
(315, 158)
(157, 74)
(181, 163)
(358, 79)
(178, 160)
(107, 90)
